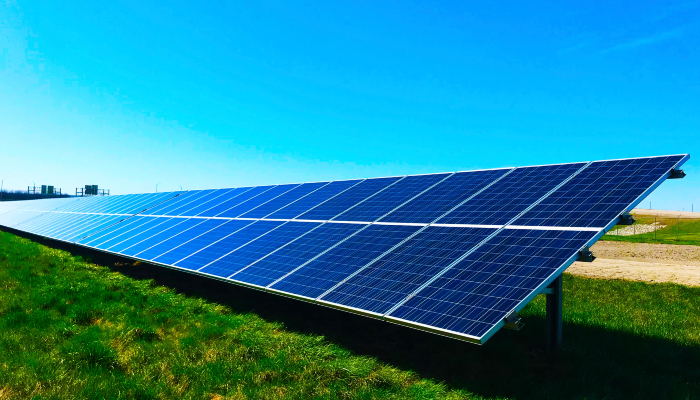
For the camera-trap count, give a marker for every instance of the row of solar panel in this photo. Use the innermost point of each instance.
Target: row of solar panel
(374, 268)
(590, 198)
(421, 275)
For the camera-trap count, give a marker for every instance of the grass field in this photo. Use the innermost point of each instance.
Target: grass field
(677, 231)
(74, 329)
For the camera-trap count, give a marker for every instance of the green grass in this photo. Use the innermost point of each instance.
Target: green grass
(677, 231)
(73, 329)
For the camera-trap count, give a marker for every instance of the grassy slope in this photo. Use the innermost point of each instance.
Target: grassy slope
(681, 231)
(71, 329)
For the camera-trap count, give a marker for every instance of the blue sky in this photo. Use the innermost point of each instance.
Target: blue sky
(129, 94)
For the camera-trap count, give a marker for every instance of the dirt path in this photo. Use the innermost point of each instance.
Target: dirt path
(643, 262)
(665, 213)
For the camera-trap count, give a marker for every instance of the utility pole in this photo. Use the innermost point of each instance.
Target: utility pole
(157, 186)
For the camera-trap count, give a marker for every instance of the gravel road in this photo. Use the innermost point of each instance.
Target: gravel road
(642, 262)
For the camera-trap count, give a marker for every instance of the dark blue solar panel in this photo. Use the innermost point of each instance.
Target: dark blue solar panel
(79, 202)
(145, 232)
(103, 203)
(389, 280)
(230, 243)
(422, 281)
(163, 234)
(293, 255)
(443, 197)
(177, 202)
(599, 193)
(121, 204)
(117, 204)
(68, 223)
(96, 202)
(171, 245)
(115, 231)
(314, 278)
(257, 201)
(480, 290)
(508, 197)
(35, 222)
(232, 199)
(140, 233)
(199, 241)
(258, 248)
(79, 223)
(147, 203)
(107, 221)
(285, 199)
(17, 218)
(390, 198)
(203, 203)
(347, 199)
(313, 199)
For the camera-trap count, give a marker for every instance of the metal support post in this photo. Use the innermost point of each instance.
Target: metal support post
(554, 307)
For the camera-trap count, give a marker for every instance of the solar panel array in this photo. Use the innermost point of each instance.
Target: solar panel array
(452, 253)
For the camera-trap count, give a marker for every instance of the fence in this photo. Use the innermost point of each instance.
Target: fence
(660, 228)
(8, 195)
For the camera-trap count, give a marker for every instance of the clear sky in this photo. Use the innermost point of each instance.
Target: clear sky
(208, 94)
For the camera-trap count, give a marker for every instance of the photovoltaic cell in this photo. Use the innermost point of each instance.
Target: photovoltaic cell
(483, 288)
(258, 248)
(179, 225)
(511, 195)
(599, 193)
(443, 197)
(319, 275)
(390, 198)
(348, 198)
(17, 217)
(216, 250)
(258, 201)
(144, 232)
(293, 255)
(69, 223)
(27, 220)
(229, 200)
(171, 245)
(78, 223)
(205, 202)
(151, 201)
(306, 203)
(114, 231)
(177, 202)
(107, 220)
(198, 238)
(120, 235)
(389, 280)
(291, 196)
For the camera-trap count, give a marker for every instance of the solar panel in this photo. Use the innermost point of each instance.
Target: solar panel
(505, 199)
(241, 234)
(380, 285)
(595, 196)
(451, 253)
(293, 255)
(348, 199)
(476, 293)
